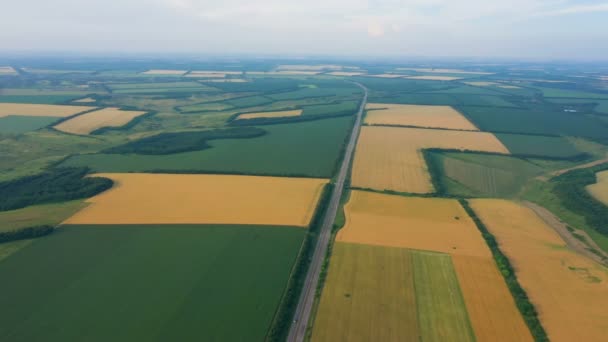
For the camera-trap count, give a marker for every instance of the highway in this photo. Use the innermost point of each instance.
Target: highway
(297, 331)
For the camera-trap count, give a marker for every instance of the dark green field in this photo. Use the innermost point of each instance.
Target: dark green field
(38, 99)
(536, 121)
(443, 99)
(15, 124)
(538, 145)
(147, 283)
(306, 149)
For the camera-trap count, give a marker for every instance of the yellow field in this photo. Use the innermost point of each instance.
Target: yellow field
(481, 83)
(387, 75)
(569, 291)
(7, 70)
(86, 100)
(599, 190)
(345, 73)
(508, 87)
(301, 67)
(164, 72)
(434, 78)
(280, 114)
(440, 225)
(212, 199)
(416, 115)
(107, 117)
(390, 157)
(212, 74)
(27, 109)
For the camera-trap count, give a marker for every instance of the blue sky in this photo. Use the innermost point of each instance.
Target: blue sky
(556, 29)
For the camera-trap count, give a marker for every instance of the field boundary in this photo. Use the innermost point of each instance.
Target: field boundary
(526, 308)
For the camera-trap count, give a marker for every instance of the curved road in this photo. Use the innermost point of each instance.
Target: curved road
(297, 331)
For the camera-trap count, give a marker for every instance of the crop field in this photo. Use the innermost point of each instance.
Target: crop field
(487, 175)
(27, 109)
(147, 283)
(599, 190)
(212, 74)
(153, 85)
(38, 215)
(416, 115)
(414, 295)
(436, 225)
(203, 199)
(433, 78)
(89, 122)
(304, 149)
(536, 121)
(250, 101)
(316, 92)
(445, 71)
(538, 145)
(568, 290)
(204, 107)
(7, 70)
(600, 106)
(345, 73)
(277, 114)
(444, 99)
(561, 93)
(389, 158)
(433, 224)
(164, 72)
(15, 124)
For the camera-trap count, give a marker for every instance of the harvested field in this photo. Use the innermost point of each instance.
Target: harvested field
(279, 114)
(28, 109)
(377, 293)
(416, 115)
(212, 74)
(86, 100)
(386, 75)
(389, 158)
(599, 190)
(7, 70)
(432, 224)
(439, 225)
(89, 122)
(434, 78)
(446, 71)
(164, 72)
(569, 291)
(209, 199)
(481, 83)
(318, 67)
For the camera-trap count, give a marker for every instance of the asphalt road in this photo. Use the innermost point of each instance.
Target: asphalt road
(297, 332)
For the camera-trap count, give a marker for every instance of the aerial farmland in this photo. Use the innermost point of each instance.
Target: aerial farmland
(302, 200)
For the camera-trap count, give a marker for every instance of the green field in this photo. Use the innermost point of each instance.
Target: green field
(316, 92)
(557, 92)
(375, 293)
(250, 101)
(536, 121)
(38, 215)
(37, 99)
(16, 124)
(147, 283)
(306, 149)
(538, 145)
(154, 85)
(443, 99)
(204, 107)
(600, 106)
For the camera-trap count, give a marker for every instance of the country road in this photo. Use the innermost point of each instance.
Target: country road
(297, 331)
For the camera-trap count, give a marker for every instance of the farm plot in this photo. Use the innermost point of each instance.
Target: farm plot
(437, 225)
(390, 158)
(38, 215)
(164, 72)
(599, 190)
(16, 124)
(415, 115)
(445, 71)
(303, 149)
(399, 301)
(147, 283)
(89, 122)
(345, 73)
(440, 99)
(536, 121)
(538, 145)
(212, 74)
(208, 199)
(569, 291)
(276, 114)
(7, 70)
(27, 109)
(434, 78)
(600, 106)
(561, 93)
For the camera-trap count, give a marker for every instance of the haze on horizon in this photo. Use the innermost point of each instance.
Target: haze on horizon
(555, 29)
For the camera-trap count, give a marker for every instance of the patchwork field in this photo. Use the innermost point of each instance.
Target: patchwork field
(147, 283)
(16, 124)
(389, 158)
(197, 199)
(277, 114)
(396, 302)
(416, 115)
(212, 74)
(89, 122)
(27, 109)
(437, 225)
(599, 190)
(307, 148)
(38, 215)
(569, 291)
(434, 78)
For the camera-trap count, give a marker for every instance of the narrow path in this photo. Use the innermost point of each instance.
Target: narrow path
(297, 331)
(573, 243)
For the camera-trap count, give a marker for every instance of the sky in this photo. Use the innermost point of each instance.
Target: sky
(534, 29)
